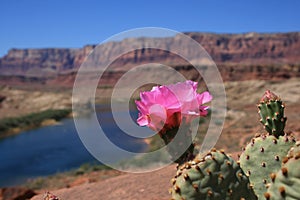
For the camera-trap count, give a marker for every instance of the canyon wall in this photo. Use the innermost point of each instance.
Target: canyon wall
(251, 55)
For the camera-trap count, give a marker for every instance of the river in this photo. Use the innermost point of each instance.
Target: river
(52, 149)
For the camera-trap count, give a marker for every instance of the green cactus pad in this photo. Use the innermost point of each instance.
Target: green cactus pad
(286, 182)
(215, 176)
(271, 111)
(295, 148)
(263, 156)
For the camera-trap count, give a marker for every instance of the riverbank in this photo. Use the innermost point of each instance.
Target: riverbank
(14, 125)
(16, 102)
(86, 173)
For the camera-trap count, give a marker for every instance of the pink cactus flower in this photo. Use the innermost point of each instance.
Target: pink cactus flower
(269, 96)
(164, 107)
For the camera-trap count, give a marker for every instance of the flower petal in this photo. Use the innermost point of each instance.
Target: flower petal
(141, 107)
(203, 110)
(164, 107)
(204, 97)
(143, 120)
(158, 116)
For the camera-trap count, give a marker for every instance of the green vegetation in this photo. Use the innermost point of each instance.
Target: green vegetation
(30, 121)
(89, 167)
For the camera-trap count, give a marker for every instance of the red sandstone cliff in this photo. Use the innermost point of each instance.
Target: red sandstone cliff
(255, 55)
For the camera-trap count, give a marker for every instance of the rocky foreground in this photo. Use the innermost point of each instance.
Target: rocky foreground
(150, 186)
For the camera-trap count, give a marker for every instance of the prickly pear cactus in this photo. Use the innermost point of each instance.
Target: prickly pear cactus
(214, 176)
(271, 111)
(286, 182)
(263, 156)
(295, 148)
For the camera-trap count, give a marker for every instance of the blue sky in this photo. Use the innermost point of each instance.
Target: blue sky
(62, 23)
